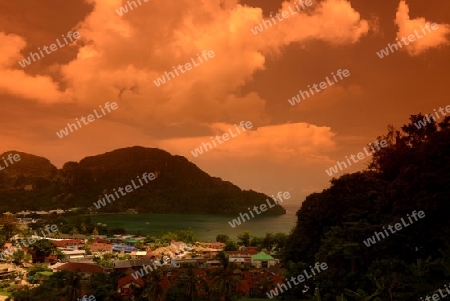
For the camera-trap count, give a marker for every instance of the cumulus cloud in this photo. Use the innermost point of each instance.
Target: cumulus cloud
(119, 57)
(319, 24)
(124, 54)
(406, 27)
(275, 142)
(17, 82)
(278, 157)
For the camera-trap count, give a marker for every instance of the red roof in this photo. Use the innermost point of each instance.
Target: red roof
(100, 247)
(102, 240)
(81, 267)
(128, 279)
(242, 253)
(67, 242)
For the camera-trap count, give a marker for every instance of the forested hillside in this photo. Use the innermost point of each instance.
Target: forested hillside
(413, 173)
(180, 186)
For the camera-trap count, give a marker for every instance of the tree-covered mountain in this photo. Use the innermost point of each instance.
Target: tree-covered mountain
(180, 186)
(28, 169)
(411, 174)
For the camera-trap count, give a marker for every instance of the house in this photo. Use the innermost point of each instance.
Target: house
(243, 256)
(206, 252)
(125, 265)
(128, 285)
(68, 243)
(196, 262)
(69, 255)
(138, 254)
(214, 245)
(123, 248)
(85, 269)
(263, 260)
(100, 247)
(213, 263)
(179, 246)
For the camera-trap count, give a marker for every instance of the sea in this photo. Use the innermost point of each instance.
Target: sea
(205, 227)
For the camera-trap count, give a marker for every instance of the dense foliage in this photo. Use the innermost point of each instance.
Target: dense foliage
(412, 173)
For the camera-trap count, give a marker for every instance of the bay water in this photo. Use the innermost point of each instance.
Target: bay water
(205, 227)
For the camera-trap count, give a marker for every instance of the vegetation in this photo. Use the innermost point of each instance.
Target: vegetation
(272, 241)
(412, 173)
(180, 186)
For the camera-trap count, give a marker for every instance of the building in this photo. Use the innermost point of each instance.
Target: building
(84, 269)
(243, 256)
(263, 260)
(128, 285)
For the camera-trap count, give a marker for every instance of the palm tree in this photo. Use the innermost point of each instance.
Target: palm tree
(72, 284)
(83, 228)
(74, 232)
(192, 285)
(224, 279)
(153, 289)
(58, 234)
(95, 232)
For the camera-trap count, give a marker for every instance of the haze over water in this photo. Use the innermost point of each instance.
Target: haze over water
(205, 227)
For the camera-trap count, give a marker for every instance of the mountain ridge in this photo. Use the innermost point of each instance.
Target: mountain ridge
(180, 187)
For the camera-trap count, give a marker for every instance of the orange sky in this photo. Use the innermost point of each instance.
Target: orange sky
(250, 78)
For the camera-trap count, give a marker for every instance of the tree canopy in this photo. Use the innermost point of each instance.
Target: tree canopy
(412, 173)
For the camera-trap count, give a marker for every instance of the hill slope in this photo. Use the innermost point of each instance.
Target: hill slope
(180, 186)
(411, 175)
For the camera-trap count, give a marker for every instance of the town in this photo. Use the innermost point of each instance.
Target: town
(129, 266)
